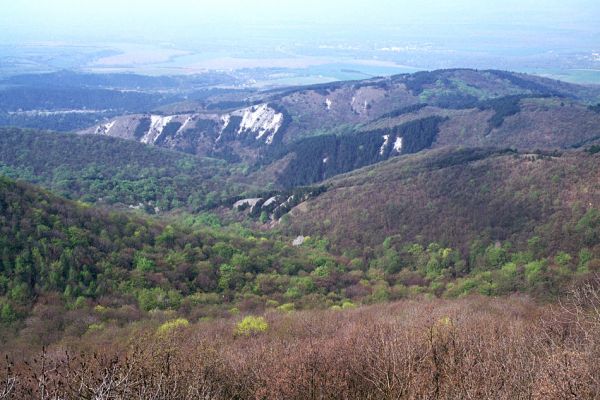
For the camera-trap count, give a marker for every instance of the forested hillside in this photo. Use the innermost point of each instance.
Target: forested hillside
(112, 171)
(458, 196)
(317, 158)
(58, 255)
(300, 200)
(493, 215)
(534, 227)
(311, 133)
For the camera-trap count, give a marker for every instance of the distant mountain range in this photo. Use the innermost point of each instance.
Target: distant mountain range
(345, 125)
(285, 138)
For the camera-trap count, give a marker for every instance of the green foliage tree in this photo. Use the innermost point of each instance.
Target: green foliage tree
(251, 326)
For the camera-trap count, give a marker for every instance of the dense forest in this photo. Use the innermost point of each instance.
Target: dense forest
(456, 197)
(80, 256)
(108, 170)
(320, 157)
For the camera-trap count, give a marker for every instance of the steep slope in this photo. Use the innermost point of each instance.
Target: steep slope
(457, 198)
(316, 158)
(199, 133)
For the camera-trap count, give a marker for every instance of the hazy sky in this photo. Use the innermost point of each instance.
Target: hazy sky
(180, 21)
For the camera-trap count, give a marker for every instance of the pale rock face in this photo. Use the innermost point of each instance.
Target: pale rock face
(278, 121)
(225, 119)
(246, 202)
(386, 139)
(105, 128)
(261, 120)
(298, 241)
(328, 104)
(270, 201)
(185, 124)
(157, 124)
(398, 144)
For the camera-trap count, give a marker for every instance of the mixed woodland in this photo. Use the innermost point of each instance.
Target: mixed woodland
(330, 266)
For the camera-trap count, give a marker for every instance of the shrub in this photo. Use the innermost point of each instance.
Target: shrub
(171, 326)
(348, 305)
(286, 307)
(534, 270)
(250, 326)
(272, 303)
(100, 309)
(158, 298)
(95, 327)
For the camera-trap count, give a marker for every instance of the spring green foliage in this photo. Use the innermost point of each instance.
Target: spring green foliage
(172, 326)
(109, 170)
(347, 305)
(287, 307)
(589, 226)
(7, 314)
(251, 325)
(49, 245)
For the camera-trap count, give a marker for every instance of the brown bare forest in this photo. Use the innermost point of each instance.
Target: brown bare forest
(471, 348)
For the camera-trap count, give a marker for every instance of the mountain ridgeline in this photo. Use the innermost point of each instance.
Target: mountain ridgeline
(303, 135)
(289, 114)
(277, 140)
(326, 122)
